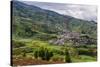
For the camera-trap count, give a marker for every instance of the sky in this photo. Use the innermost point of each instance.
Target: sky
(87, 12)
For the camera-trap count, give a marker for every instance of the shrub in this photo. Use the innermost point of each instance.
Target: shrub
(57, 58)
(73, 52)
(22, 51)
(67, 56)
(17, 44)
(36, 54)
(58, 51)
(27, 49)
(17, 51)
(43, 53)
(89, 52)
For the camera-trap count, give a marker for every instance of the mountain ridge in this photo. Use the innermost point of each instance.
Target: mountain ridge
(46, 21)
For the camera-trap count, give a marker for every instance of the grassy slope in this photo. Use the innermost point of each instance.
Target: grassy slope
(35, 44)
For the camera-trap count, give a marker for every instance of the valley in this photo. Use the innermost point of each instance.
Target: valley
(42, 36)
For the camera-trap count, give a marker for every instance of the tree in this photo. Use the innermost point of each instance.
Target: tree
(67, 56)
(36, 54)
(44, 53)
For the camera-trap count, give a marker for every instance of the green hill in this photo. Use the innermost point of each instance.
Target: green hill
(29, 21)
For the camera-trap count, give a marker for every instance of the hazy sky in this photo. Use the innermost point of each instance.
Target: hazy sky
(87, 12)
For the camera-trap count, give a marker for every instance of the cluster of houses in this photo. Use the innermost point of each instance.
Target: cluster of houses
(73, 37)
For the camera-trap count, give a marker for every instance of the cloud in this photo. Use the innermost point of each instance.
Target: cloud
(87, 12)
(82, 11)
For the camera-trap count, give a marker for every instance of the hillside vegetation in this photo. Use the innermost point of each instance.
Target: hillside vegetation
(42, 36)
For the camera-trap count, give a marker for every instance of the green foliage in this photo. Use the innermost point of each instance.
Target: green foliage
(17, 51)
(44, 50)
(58, 51)
(83, 27)
(57, 58)
(67, 56)
(33, 27)
(89, 52)
(44, 53)
(17, 44)
(36, 54)
(87, 58)
(22, 50)
(44, 36)
(27, 21)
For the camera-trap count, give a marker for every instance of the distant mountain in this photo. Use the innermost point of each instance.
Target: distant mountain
(29, 20)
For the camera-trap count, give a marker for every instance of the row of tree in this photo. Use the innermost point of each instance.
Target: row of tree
(46, 54)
